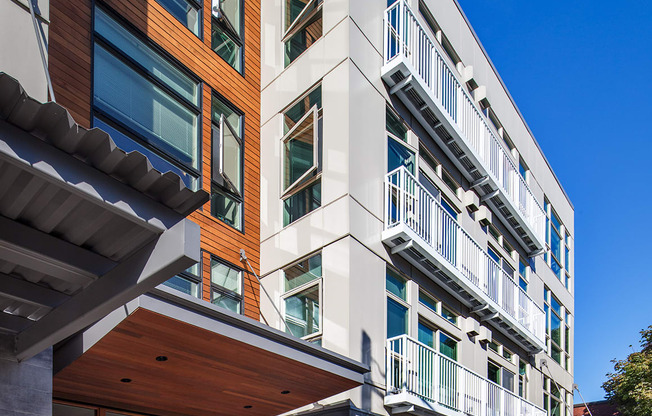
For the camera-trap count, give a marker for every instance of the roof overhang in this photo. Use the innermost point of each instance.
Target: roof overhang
(84, 226)
(217, 362)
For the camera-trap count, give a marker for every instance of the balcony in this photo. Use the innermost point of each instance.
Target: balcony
(418, 228)
(420, 377)
(420, 74)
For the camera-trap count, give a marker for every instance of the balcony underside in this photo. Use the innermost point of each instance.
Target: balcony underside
(408, 88)
(402, 240)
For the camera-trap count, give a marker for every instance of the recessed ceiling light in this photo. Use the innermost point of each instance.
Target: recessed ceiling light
(285, 392)
(248, 406)
(161, 358)
(126, 380)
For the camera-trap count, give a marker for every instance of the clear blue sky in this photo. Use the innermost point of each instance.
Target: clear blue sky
(581, 74)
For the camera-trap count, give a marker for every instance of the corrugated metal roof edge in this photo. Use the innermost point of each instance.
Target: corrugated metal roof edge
(53, 124)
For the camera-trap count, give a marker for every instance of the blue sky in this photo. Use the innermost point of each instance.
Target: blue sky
(581, 74)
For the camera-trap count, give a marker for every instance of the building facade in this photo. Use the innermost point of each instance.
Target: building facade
(409, 218)
(176, 85)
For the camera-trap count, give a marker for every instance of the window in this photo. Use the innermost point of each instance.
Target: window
(226, 286)
(227, 163)
(397, 306)
(144, 101)
(437, 307)
(188, 12)
(303, 26)
(552, 398)
(301, 157)
(437, 340)
(394, 124)
(398, 152)
(557, 329)
(227, 32)
(557, 254)
(523, 170)
(302, 286)
(522, 379)
(188, 282)
(500, 375)
(523, 273)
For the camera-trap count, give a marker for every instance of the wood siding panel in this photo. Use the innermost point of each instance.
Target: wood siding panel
(71, 70)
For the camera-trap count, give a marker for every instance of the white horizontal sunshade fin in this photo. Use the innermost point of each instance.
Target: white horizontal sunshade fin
(300, 151)
(146, 57)
(129, 97)
(231, 156)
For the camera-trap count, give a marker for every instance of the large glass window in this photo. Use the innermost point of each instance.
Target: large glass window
(303, 26)
(302, 298)
(226, 285)
(301, 157)
(227, 176)
(188, 12)
(142, 97)
(188, 282)
(227, 32)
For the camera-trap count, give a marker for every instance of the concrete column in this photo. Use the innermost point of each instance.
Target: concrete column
(26, 388)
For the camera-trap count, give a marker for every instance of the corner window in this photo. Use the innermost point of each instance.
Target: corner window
(302, 298)
(303, 26)
(226, 286)
(188, 282)
(227, 31)
(227, 182)
(188, 12)
(147, 102)
(301, 157)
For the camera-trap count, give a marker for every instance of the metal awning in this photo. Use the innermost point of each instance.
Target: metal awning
(84, 226)
(171, 354)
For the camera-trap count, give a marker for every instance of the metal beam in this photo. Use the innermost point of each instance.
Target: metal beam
(171, 253)
(489, 195)
(400, 85)
(480, 181)
(403, 246)
(489, 317)
(20, 244)
(31, 293)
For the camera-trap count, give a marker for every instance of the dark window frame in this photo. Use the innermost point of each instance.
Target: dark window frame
(222, 188)
(228, 293)
(124, 128)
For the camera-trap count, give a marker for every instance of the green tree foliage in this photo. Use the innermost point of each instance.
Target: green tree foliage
(630, 385)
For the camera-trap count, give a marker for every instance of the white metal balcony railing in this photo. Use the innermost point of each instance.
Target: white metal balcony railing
(406, 38)
(415, 368)
(408, 202)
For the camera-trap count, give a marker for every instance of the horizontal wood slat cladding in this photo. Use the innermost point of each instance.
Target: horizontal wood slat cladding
(70, 63)
(205, 374)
